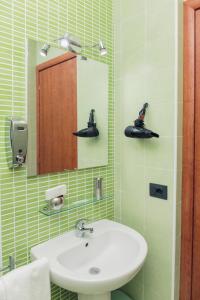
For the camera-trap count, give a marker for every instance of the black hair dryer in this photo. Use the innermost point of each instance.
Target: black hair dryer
(139, 130)
(91, 130)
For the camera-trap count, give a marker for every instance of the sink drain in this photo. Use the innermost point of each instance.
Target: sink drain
(94, 270)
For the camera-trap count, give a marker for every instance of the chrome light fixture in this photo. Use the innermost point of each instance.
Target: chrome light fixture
(64, 41)
(44, 50)
(67, 42)
(70, 43)
(102, 48)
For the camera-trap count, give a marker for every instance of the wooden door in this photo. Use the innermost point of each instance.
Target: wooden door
(190, 242)
(196, 226)
(57, 114)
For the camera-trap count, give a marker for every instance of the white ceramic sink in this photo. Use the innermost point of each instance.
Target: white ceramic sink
(96, 264)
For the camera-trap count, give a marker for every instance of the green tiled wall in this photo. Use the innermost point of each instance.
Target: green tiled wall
(22, 226)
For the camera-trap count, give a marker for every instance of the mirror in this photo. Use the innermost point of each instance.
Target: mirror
(67, 111)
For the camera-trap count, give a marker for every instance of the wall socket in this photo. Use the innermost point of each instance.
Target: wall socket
(158, 191)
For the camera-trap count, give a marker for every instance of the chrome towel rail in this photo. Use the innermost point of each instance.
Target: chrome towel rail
(11, 265)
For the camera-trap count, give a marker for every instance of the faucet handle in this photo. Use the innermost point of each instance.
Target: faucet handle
(79, 225)
(81, 229)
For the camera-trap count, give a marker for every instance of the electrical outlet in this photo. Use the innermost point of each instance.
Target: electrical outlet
(158, 191)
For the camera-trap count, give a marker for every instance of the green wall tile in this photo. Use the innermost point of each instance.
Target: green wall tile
(20, 198)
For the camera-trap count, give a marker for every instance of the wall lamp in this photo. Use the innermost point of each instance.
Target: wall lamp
(70, 43)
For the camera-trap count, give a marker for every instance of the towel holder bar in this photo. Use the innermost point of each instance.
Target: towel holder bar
(11, 265)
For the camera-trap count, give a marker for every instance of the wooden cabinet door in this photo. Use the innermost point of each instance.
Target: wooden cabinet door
(57, 115)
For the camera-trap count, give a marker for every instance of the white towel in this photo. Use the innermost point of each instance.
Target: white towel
(2, 291)
(30, 282)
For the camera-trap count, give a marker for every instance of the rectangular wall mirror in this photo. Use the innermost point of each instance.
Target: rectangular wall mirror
(67, 111)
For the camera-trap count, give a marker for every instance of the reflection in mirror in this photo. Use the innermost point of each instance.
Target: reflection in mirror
(91, 130)
(63, 91)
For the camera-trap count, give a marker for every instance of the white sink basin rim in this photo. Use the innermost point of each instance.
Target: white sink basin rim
(98, 263)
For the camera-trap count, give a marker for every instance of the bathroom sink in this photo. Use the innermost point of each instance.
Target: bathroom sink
(97, 263)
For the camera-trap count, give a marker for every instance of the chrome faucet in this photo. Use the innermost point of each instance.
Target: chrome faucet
(81, 229)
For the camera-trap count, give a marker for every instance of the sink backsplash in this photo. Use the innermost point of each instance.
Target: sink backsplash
(21, 198)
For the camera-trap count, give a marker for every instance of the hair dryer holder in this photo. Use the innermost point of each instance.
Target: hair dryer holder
(138, 130)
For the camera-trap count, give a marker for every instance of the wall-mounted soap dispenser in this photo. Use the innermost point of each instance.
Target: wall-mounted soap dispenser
(18, 141)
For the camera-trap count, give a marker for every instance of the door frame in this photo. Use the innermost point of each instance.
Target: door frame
(187, 227)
